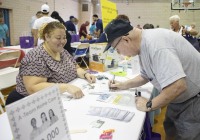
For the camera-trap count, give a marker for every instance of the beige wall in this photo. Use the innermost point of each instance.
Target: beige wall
(21, 12)
(157, 13)
(66, 8)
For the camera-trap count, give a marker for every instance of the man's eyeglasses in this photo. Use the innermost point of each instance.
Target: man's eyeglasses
(113, 48)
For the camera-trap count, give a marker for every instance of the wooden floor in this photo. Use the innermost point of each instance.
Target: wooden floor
(158, 123)
(158, 126)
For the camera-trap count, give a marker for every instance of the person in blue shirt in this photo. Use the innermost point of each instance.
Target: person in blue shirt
(70, 25)
(92, 29)
(4, 32)
(99, 25)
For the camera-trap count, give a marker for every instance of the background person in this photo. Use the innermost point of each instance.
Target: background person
(33, 18)
(174, 71)
(67, 46)
(99, 25)
(92, 29)
(70, 25)
(76, 25)
(83, 29)
(38, 24)
(186, 32)
(4, 32)
(148, 26)
(48, 65)
(175, 25)
(191, 30)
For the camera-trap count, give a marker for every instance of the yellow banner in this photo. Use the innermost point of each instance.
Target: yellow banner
(108, 11)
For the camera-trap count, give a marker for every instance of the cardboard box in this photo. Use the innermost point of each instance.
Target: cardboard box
(100, 61)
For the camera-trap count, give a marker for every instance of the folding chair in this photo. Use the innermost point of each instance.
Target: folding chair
(9, 58)
(81, 52)
(3, 101)
(7, 79)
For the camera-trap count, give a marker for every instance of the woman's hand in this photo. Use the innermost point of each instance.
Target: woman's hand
(75, 91)
(91, 78)
(116, 85)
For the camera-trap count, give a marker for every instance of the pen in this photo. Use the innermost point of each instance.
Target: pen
(113, 80)
(137, 93)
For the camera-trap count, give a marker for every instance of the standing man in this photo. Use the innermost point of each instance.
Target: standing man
(83, 29)
(174, 71)
(40, 22)
(33, 18)
(70, 25)
(99, 25)
(175, 25)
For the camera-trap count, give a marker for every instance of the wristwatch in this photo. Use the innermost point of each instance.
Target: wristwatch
(149, 104)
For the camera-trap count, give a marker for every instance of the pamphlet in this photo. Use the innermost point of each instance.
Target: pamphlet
(117, 98)
(112, 113)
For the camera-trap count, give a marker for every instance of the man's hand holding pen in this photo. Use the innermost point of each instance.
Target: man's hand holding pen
(111, 83)
(116, 85)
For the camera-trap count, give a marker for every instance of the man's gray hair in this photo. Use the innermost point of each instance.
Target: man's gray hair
(174, 18)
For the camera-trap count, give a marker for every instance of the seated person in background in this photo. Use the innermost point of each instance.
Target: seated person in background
(99, 25)
(148, 26)
(190, 30)
(48, 65)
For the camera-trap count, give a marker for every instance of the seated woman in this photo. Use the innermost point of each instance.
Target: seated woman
(47, 65)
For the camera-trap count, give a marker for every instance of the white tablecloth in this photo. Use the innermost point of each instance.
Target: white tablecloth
(18, 47)
(78, 120)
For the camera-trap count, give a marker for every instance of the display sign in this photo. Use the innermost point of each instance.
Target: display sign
(100, 61)
(108, 11)
(39, 116)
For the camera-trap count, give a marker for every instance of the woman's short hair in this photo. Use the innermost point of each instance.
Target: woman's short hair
(49, 28)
